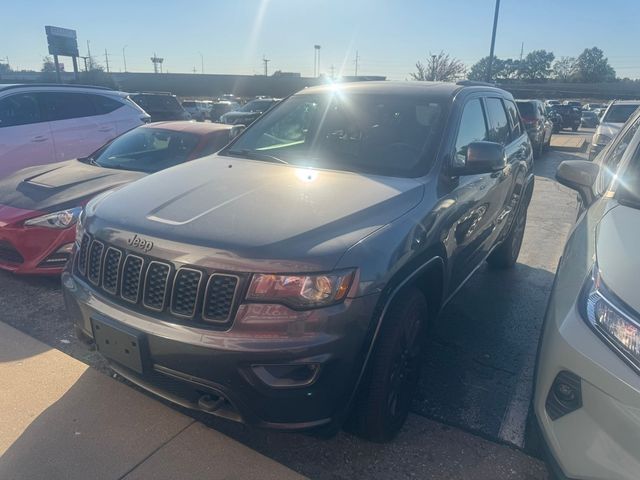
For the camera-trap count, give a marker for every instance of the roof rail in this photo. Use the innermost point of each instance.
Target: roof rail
(63, 85)
(474, 83)
(151, 93)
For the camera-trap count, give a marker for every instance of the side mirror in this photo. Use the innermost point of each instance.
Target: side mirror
(482, 157)
(235, 131)
(579, 175)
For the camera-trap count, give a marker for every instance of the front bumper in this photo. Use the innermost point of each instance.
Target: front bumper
(35, 250)
(185, 363)
(601, 439)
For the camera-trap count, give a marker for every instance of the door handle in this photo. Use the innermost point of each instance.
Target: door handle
(40, 138)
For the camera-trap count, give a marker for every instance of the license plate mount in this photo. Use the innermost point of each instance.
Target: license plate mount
(120, 343)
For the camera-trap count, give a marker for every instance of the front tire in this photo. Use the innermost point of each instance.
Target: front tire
(506, 255)
(385, 395)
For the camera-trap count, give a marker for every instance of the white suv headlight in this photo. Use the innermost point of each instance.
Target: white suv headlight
(61, 219)
(613, 321)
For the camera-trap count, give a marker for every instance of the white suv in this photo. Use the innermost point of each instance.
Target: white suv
(614, 117)
(587, 388)
(42, 124)
(198, 109)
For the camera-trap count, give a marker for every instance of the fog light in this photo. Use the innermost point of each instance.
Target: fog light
(565, 395)
(287, 376)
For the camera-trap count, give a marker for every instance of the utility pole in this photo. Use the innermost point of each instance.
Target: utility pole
(333, 71)
(521, 51)
(106, 59)
(266, 61)
(124, 58)
(89, 56)
(493, 41)
(357, 58)
(201, 62)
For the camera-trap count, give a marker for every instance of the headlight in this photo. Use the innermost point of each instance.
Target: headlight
(613, 321)
(601, 139)
(61, 219)
(301, 291)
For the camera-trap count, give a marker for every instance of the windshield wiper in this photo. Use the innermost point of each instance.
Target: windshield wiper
(253, 155)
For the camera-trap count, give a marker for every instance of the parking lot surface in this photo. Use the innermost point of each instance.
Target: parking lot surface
(469, 417)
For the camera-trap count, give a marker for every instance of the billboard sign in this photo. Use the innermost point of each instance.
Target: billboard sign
(62, 41)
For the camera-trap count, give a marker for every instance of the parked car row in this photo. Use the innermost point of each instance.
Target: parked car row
(228, 109)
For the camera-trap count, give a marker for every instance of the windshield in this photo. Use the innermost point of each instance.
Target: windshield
(147, 150)
(379, 134)
(619, 113)
(158, 103)
(256, 106)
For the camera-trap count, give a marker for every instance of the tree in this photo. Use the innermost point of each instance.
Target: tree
(564, 69)
(47, 65)
(593, 67)
(478, 70)
(441, 68)
(536, 65)
(5, 68)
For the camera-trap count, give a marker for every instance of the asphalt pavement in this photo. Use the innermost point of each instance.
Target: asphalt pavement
(469, 416)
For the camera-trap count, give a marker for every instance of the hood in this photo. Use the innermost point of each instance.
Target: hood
(57, 186)
(280, 215)
(617, 253)
(609, 129)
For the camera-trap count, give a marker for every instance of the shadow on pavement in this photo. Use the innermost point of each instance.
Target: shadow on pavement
(481, 354)
(96, 429)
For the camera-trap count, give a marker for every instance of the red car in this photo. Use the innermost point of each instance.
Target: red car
(39, 206)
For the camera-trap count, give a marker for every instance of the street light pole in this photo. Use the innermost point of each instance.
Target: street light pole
(493, 41)
(124, 58)
(316, 61)
(201, 62)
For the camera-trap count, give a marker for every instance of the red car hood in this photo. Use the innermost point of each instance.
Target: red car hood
(9, 215)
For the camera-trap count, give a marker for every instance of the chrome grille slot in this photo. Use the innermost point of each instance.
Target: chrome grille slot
(186, 286)
(131, 276)
(95, 261)
(155, 285)
(219, 297)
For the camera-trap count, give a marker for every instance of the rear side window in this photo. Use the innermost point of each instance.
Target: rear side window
(104, 105)
(20, 109)
(526, 109)
(499, 130)
(64, 106)
(514, 119)
(473, 128)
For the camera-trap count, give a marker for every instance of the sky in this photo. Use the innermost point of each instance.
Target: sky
(232, 36)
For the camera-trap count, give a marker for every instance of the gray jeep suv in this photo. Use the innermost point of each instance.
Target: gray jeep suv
(289, 280)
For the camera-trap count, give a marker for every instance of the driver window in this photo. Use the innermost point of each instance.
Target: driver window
(473, 128)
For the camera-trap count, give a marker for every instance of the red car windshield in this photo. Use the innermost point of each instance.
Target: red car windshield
(147, 150)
